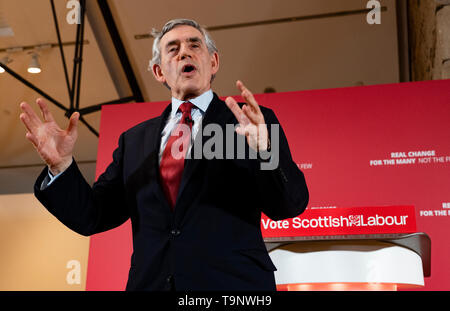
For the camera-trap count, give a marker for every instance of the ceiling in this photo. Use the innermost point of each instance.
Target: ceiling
(264, 43)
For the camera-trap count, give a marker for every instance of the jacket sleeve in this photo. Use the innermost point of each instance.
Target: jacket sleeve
(281, 183)
(81, 208)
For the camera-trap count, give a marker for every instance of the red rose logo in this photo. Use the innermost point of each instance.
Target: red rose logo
(355, 220)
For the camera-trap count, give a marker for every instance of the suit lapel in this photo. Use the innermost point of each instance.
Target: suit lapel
(151, 150)
(218, 113)
(153, 133)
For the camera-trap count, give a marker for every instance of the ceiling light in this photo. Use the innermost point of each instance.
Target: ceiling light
(5, 29)
(34, 67)
(4, 60)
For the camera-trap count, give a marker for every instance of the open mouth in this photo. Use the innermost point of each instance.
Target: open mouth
(188, 68)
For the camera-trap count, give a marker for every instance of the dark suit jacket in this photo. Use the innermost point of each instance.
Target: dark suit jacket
(212, 240)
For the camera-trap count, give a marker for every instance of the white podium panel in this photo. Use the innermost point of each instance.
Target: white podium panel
(351, 264)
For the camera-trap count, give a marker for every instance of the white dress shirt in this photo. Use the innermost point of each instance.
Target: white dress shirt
(201, 103)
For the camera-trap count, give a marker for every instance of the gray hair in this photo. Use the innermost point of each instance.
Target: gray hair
(168, 27)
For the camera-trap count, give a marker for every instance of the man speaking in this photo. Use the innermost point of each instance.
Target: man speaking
(195, 220)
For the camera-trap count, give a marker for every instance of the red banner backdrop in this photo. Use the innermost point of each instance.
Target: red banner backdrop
(384, 145)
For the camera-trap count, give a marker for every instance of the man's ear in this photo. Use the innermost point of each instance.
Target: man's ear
(214, 63)
(157, 72)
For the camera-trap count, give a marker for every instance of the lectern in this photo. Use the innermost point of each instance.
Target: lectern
(351, 262)
(349, 248)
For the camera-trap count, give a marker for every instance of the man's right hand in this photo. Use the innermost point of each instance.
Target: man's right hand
(54, 145)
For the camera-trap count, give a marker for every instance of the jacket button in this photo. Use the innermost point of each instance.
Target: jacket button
(175, 232)
(169, 279)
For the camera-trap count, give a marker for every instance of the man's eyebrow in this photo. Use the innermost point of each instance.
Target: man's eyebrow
(194, 40)
(173, 42)
(177, 41)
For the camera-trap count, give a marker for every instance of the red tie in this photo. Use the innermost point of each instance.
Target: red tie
(172, 161)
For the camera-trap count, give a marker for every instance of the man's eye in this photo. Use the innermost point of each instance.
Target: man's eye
(172, 50)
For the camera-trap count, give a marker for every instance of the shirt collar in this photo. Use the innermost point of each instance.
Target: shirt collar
(201, 102)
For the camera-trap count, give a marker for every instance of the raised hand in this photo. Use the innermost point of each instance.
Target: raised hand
(54, 145)
(250, 118)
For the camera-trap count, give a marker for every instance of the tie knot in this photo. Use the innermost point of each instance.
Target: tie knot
(186, 107)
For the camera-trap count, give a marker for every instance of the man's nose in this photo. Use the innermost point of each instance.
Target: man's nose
(184, 52)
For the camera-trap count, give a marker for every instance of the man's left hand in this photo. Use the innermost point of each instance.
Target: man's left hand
(250, 118)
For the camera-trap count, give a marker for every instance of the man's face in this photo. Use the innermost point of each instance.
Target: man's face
(186, 65)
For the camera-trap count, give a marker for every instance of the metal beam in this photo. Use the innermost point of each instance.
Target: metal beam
(280, 20)
(402, 38)
(61, 50)
(33, 87)
(95, 108)
(120, 49)
(80, 56)
(106, 47)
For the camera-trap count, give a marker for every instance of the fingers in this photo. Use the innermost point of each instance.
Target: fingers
(245, 127)
(73, 123)
(44, 109)
(252, 109)
(249, 116)
(26, 121)
(29, 117)
(241, 131)
(254, 117)
(249, 130)
(237, 111)
(248, 96)
(31, 122)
